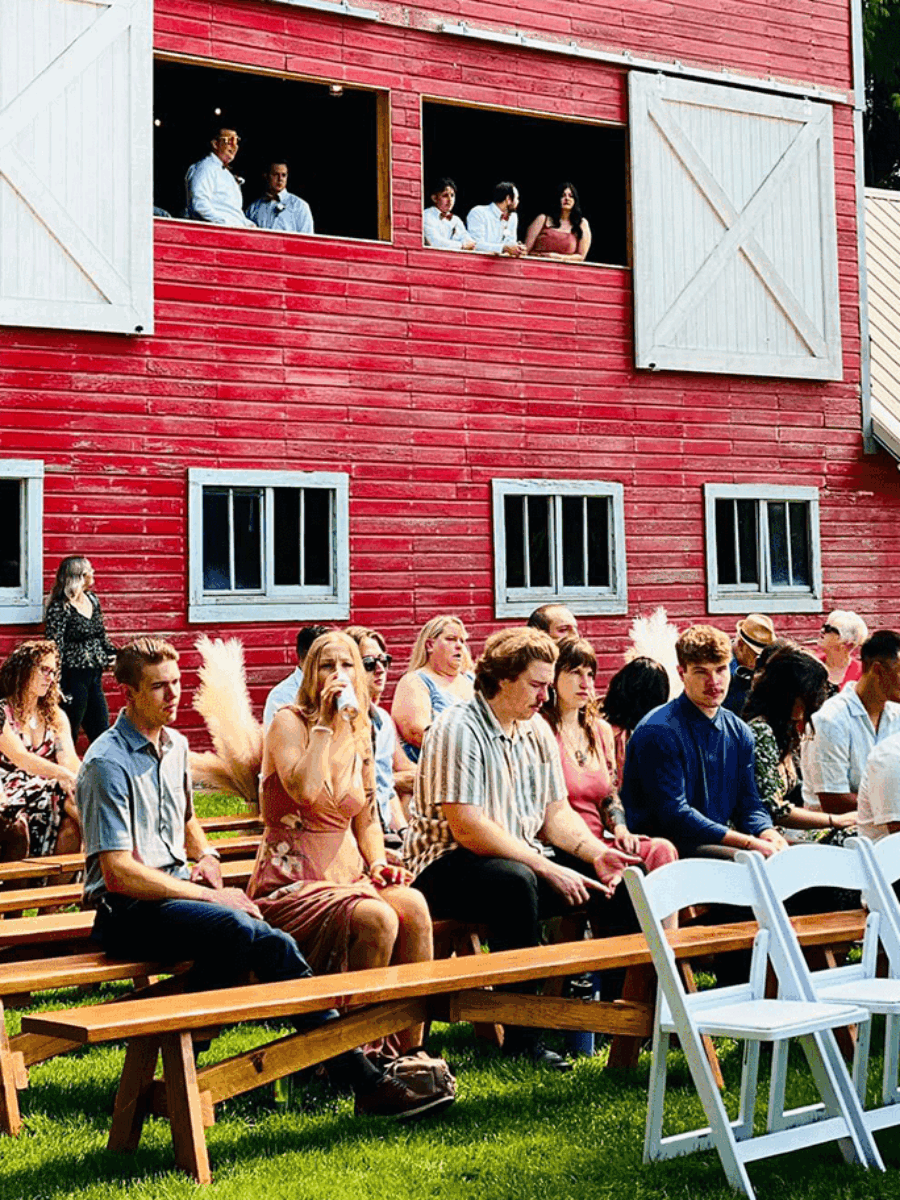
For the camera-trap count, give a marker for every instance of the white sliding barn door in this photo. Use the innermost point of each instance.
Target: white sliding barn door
(76, 167)
(734, 234)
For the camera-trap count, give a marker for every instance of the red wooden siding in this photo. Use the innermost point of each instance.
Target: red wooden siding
(425, 375)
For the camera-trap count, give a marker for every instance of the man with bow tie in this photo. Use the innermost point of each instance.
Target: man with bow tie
(495, 226)
(278, 208)
(213, 192)
(441, 228)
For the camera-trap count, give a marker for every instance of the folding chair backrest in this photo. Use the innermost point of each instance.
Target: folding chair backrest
(786, 874)
(887, 855)
(881, 863)
(679, 885)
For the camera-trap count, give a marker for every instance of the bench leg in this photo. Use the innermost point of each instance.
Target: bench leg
(184, 1108)
(10, 1119)
(639, 985)
(133, 1096)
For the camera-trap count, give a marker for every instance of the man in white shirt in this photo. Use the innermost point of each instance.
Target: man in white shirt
(441, 227)
(286, 691)
(850, 724)
(213, 192)
(278, 208)
(495, 226)
(878, 809)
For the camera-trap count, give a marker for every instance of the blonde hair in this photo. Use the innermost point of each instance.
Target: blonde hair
(433, 629)
(852, 629)
(308, 695)
(139, 653)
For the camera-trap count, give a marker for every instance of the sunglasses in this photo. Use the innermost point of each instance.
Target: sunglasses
(370, 662)
(830, 629)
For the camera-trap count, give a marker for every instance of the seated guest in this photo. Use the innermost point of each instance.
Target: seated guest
(441, 227)
(492, 837)
(753, 635)
(140, 832)
(561, 232)
(321, 873)
(689, 772)
(213, 192)
(851, 723)
(639, 687)
(286, 691)
(842, 634)
(555, 619)
(279, 209)
(38, 763)
(878, 813)
(439, 675)
(587, 752)
(393, 771)
(495, 226)
(791, 686)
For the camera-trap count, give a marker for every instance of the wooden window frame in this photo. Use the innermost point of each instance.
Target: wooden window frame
(739, 598)
(587, 601)
(272, 602)
(24, 605)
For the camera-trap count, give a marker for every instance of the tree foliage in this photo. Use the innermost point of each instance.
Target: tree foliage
(881, 34)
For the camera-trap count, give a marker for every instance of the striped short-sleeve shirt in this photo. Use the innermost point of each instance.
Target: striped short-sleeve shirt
(468, 759)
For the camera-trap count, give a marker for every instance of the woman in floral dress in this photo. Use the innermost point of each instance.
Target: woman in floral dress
(38, 763)
(321, 872)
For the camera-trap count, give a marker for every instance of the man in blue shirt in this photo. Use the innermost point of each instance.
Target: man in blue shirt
(689, 773)
(278, 208)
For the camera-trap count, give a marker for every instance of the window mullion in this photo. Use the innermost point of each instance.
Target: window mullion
(765, 566)
(585, 579)
(557, 582)
(735, 517)
(301, 503)
(526, 542)
(787, 538)
(231, 539)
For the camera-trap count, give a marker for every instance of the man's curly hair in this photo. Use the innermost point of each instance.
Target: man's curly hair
(703, 644)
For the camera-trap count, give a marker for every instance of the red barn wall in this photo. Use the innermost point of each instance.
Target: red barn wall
(425, 375)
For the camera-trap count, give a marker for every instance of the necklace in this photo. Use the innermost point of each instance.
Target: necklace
(579, 750)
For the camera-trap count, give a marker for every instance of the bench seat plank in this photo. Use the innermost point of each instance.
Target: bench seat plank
(137, 1018)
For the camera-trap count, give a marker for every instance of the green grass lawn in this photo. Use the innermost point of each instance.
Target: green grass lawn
(514, 1134)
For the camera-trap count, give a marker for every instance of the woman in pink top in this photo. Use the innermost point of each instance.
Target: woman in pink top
(563, 235)
(588, 759)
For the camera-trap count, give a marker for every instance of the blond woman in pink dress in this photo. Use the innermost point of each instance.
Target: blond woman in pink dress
(321, 872)
(589, 760)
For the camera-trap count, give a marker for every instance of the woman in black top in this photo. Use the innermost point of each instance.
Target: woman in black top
(75, 622)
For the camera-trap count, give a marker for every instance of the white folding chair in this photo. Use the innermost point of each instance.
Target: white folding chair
(788, 874)
(882, 861)
(741, 1012)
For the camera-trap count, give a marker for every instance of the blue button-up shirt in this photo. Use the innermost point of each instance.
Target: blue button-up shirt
(688, 777)
(288, 213)
(213, 193)
(131, 798)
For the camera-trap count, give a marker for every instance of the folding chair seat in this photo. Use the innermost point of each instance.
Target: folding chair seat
(741, 1012)
(786, 875)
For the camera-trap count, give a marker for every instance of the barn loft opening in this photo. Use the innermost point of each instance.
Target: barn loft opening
(478, 147)
(327, 133)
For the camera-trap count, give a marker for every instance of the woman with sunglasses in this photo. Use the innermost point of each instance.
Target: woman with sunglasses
(38, 763)
(842, 633)
(394, 775)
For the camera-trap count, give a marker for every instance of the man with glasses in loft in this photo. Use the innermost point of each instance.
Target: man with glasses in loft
(213, 190)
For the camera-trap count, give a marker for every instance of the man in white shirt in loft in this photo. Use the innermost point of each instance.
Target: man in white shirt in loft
(495, 226)
(213, 192)
(279, 209)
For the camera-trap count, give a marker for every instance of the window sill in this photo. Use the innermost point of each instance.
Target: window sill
(209, 611)
(754, 602)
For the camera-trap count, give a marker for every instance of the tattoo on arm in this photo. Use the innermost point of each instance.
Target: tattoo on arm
(611, 812)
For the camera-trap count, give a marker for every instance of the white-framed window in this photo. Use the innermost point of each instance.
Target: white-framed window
(21, 540)
(268, 545)
(559, 540)
(762, 548)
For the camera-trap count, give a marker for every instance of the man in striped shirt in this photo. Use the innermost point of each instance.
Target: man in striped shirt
(492, 838)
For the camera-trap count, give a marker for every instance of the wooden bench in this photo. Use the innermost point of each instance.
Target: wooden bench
(376, 1003)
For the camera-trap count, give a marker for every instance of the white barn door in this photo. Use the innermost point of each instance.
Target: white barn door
(734, 233)
(76, 166)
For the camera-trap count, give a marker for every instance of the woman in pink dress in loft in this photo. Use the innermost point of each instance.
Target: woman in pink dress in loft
(561, 233)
